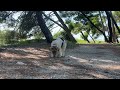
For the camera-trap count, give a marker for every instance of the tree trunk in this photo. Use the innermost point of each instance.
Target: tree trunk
(43, 27)
(53, 20)
(106, 25)
(102, 22)
(65, 27)
(104, 29)
(95, 26)
(114, 34)
(114, 21)
(91, 37)
(85, 37)
(110, 27)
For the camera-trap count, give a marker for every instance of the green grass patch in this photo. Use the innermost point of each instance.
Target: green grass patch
(79, 41)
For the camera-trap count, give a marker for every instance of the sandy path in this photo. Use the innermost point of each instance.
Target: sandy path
(81, 62)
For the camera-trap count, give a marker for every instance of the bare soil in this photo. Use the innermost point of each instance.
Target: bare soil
(100, 61)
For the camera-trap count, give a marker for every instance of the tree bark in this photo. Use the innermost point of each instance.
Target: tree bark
(113, 30)
(85, 37)
(114, 21)
(102, 21)
(91, 37)
(95, 26)
(43, 27)
(114, 34)
(110, 27)
(65, 27)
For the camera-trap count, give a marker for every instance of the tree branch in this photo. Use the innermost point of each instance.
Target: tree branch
(52, 20)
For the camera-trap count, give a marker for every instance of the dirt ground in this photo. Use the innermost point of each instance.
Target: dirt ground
(80, 62)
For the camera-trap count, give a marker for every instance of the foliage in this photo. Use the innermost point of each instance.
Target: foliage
(7, 37)
(38, 35)
(76, 22)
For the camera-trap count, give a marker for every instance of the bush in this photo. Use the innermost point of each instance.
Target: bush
(39, 35)
(7, 37)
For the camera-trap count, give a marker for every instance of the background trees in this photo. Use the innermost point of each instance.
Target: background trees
(39, 24)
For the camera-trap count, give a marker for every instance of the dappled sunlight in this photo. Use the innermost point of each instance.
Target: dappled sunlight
(109, 67)
(9, 55)
(79, 59)
(15, 56)
(28, 53)
(101, 60)
(36, 63)
(59, 66)
(82, 62)
(97, 75)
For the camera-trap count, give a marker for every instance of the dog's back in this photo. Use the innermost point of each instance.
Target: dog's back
(61, 44)
(57, 42)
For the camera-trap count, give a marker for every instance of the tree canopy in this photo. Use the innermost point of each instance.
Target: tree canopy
(40, 23)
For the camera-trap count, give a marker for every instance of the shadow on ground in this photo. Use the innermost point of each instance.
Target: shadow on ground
(82, 62)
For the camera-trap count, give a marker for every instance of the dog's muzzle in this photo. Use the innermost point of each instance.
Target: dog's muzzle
(54, 50)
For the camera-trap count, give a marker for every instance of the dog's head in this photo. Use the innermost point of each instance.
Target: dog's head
(54, 50)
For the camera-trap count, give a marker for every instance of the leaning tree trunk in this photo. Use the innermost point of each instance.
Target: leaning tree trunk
(110, 27)
(102, 21)
(91, 37)
(44, 28)
(104, 29)
(95, 26)
(65, 27)
(84, 37)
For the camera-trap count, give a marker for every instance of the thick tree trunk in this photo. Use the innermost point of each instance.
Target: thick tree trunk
(114, 21)
(95, 26)
(43, 27)
(115, 40)
(65, 27)
(114, 34)
(110, 27)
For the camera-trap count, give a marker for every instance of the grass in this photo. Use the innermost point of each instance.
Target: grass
(91, 42)
(23, 42)
(69, 44)
(27, 42)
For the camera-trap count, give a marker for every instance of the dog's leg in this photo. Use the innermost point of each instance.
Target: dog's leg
(64, 48)
(57, 54)
(60, 53)
(63, 53)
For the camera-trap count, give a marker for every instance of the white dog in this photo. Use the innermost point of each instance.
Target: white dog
(58, 47)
